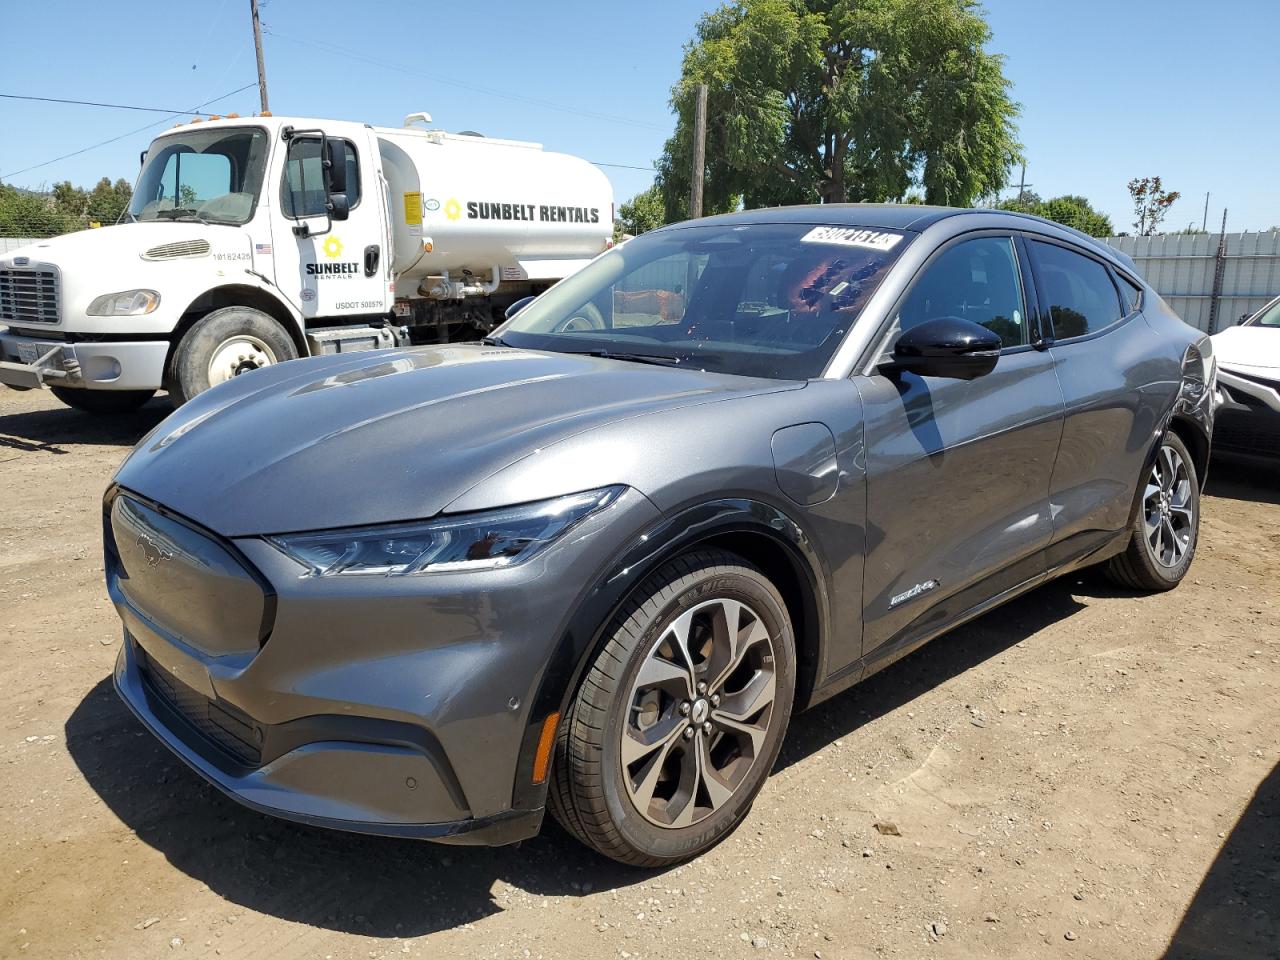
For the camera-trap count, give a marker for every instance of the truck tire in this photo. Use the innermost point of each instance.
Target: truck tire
(102, 401)
(224, 344)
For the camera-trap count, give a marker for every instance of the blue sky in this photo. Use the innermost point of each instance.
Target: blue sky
(1110, 90)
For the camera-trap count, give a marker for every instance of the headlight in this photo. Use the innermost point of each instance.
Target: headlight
(127, 303)
(476, 541)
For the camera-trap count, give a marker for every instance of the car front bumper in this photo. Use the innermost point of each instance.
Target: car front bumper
(398, 706)
(32, 361)
(1247, 420)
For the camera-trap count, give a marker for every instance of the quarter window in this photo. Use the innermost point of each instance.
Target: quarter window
(1082, 299)
(976, 280)
(302, 192)
(1131, 294)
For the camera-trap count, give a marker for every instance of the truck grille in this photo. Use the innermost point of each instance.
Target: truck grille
(29, 295)
(242, 739)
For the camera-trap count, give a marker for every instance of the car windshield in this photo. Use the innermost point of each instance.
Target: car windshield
(763, 300)
(1269, 316)
(206, 175)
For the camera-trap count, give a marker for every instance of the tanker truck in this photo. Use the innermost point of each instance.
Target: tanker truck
(251, 241)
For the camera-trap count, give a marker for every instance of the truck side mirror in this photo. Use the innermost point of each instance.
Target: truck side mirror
(339, 207)
(335, 167)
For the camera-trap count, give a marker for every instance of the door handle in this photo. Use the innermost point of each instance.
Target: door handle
(371, 260)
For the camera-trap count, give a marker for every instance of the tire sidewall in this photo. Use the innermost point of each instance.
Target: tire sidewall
(754, 590)
(190, 366)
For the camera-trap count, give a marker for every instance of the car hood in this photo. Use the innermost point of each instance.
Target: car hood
(1242, 348)
(389, 435)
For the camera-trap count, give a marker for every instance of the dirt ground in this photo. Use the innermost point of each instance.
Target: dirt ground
(1082, 773)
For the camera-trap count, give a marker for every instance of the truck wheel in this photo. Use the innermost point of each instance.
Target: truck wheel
(224, 344)
(102, 401)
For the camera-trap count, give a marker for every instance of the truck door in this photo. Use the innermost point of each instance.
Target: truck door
(332, 268)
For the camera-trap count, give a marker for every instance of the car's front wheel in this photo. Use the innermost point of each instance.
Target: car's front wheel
(679, 719)
(1167, 523)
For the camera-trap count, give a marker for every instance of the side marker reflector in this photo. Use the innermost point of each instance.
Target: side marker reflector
(546, 741)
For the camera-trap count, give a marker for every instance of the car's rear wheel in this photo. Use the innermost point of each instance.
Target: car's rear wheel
(102, 401)
(1167, 523)
(680, 717)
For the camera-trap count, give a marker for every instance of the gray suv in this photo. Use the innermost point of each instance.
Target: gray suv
(595, 562)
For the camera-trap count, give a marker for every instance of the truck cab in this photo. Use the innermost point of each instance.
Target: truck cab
(252, 241)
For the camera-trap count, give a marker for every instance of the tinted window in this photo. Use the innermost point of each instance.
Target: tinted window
(1131, 293)
(976, 280)
(1081, 296)
(761, 300)
(302, 193)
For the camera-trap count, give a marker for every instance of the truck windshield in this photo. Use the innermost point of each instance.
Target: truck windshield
(207, 175)
(762, 300)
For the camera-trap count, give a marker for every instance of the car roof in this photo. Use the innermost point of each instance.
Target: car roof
(912, 217)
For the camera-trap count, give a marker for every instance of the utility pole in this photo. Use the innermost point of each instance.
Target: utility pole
(699, 152)
(1219, 270)
(1022, 184)
(257, 46)
(1204, 224)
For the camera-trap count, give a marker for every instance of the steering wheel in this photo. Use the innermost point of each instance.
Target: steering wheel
(586, 318)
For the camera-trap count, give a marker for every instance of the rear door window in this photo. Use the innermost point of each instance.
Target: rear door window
(1078, 289)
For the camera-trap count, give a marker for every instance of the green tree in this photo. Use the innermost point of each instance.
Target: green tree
(836, 100)
(107, 200)
(642, 213)
(1069, 210)
(24, 213)
(1151, 202)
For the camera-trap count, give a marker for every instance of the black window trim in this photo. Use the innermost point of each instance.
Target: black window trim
(1044, 312)
(889, 324)
(284, 169)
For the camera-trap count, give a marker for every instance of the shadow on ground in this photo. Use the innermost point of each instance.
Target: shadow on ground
(1235, 914)
(1236, 478)
(383, 887)
(53, 431)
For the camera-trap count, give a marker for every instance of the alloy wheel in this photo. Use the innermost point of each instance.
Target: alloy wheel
(1169, 519)
(698, 713)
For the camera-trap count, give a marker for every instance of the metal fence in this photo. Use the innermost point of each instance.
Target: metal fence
(13, 243)
(1209, 279)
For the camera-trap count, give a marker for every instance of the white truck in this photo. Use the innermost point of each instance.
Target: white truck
(250, 241)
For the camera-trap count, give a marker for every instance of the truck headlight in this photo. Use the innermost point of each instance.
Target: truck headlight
(475, 541)
(127, 303)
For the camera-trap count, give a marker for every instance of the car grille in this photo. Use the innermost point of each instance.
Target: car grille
(1247, 431)
(241, 738)
(30, 295)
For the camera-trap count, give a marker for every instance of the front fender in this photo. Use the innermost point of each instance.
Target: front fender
(678, 532)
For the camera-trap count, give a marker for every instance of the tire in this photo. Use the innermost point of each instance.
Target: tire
(1166, 525)
(660, 808)
(102, 401)
(224, 344)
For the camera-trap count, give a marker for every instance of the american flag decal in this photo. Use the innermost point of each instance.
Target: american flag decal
(262, 248)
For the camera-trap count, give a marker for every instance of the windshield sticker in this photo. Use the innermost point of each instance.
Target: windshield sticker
(852, 237)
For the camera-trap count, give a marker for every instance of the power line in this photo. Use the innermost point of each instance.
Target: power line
(114, 106)
(474, 88)
(623, 166)
(95, 146)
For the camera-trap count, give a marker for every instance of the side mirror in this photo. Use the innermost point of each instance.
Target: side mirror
(947, 347)
(339, 206)
(518, 306)
(1243, 318)
(335, 166)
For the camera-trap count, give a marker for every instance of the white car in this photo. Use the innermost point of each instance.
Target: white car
(1248, 356)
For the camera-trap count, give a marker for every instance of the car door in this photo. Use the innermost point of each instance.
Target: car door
(958, 471)
(1115, 394)
(339, 267)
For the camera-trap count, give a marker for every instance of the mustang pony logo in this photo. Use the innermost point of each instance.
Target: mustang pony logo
(153, 551)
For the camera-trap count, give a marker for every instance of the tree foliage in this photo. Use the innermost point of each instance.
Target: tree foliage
(1069, 210)
(642, 213)
(61, 209)
(837, 100)
(1151, 203)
